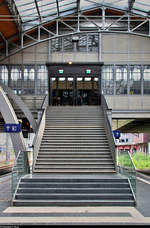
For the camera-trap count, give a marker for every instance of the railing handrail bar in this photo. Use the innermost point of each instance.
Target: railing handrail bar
(131, 160)
(43, 106)
(35, 137)
(107, 125)
(132, 190)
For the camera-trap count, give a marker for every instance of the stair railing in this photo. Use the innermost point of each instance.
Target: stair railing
(21, 168)
(108, 129)
(127, 168)
(39, 134)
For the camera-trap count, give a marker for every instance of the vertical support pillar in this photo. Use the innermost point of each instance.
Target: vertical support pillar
(62, 47)
(109, 114)
(35, 80)
(128, 22)
(114, 79)
(99, 46)
(78, 29)
(7, 148)
(57, 27)
(49, 50)
(9, 75)
(103, 18)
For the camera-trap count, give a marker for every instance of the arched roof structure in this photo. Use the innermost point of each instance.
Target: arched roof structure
(23, 23)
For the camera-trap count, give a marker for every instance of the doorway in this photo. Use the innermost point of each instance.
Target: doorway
(75, 84)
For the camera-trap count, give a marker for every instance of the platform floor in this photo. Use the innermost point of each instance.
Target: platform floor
(75, 215)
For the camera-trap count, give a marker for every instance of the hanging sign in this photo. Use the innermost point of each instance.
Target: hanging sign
(12, 128)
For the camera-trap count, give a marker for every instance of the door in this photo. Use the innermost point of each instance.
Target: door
(61, 91)
(88, 91)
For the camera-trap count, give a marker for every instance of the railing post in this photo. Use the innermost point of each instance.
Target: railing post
(109, 114)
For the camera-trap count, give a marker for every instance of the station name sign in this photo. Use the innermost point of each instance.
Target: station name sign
(12, 128)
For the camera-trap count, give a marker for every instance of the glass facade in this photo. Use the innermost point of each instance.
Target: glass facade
(116, 79)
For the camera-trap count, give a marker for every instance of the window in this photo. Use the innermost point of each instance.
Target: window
(4, 75)
(107, 80)
(16, 80)
(146, 77)
(42, 80)
(29, 80)
(135, 80)
(15, 74)
(121, 80)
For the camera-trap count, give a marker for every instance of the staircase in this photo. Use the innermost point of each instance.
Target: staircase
(74, 166)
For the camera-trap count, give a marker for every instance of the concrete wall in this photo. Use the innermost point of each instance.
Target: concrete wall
(116, 48)
(128, 102)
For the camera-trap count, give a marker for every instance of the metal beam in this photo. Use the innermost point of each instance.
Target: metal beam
(130, 4)
(78, 6)
(57, 7)
(37, 8)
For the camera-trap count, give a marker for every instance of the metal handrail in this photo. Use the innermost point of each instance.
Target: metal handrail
(38, 137)
(108, 129)
(39, 134)
(131, 160)
(20, 171)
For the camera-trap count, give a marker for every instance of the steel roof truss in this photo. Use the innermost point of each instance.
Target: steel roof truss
(67, 25)
(116, 21)
(138, 26)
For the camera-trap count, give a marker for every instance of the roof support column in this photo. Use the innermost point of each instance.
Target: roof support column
(103, 18)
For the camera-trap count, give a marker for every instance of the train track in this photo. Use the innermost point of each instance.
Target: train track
(5, 169)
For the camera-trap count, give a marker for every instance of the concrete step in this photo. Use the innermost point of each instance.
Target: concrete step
(74, 171)
(74, 190)
(65, 139)
(60, 184)
(72, 156)
(65, 165)
(75, 160)
(75, 196)
(74, 146)
(74, 202)
(73, 137)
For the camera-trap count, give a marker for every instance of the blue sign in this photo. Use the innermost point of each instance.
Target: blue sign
(12, 128)
(116, 134)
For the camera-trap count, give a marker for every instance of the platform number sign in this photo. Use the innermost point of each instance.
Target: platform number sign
(12, 128)
(116, 134)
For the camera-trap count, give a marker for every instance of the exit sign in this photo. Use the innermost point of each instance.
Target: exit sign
(88, 71)
(61, 71)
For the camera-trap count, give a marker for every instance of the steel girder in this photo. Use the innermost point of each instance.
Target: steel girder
(73, 25)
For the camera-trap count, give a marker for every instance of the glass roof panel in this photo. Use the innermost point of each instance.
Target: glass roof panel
(142, 5)
(35, 9)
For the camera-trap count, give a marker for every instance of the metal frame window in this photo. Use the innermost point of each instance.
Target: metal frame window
(42, 80)
(4, 74)
(121, 80)
(107, 80)
(146, 79)
(135, 80)
(29, 80)
(16, 79)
